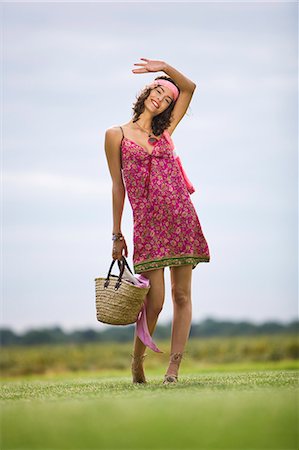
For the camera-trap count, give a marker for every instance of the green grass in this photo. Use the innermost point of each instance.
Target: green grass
(236, 406)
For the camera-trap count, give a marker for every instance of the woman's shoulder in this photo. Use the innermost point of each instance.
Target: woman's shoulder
(113, 129)
(113, 137)
(114, 132)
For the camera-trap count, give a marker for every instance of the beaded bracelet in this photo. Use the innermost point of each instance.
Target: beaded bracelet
(117, 237)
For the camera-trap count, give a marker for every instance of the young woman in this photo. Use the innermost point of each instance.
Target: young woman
(167, 231)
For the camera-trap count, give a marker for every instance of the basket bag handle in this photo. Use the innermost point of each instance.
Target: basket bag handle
(121, 264)
(125, 262)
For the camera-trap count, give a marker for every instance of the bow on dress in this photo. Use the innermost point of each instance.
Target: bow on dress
(158, 154)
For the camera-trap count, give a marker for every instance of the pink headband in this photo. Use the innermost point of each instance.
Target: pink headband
(168, 84)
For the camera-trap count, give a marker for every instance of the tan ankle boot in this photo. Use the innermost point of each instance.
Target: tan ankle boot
(172, 373)
(137, 369)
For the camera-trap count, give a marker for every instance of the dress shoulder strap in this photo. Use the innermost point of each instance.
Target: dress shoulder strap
(122, 132)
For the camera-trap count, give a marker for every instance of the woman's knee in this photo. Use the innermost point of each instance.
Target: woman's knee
(181, 284)
(180, 297)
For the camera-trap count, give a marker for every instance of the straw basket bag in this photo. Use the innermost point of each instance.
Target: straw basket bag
(118, 300)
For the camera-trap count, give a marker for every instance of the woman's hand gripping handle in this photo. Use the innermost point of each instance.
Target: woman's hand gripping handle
(119, 247)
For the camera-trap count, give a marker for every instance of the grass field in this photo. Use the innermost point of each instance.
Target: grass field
(43, 359)
(232, 406)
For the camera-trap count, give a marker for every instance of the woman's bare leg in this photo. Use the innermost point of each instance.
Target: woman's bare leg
(181, 277)
(154, 305)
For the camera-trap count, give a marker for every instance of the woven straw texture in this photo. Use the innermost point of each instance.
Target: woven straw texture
(118, 306)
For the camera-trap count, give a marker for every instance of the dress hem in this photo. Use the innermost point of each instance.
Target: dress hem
(171, 262)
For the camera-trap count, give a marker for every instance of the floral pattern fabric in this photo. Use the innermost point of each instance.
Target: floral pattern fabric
(167, 231)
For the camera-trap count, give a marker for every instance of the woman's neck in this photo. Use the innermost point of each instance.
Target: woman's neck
(145, 121)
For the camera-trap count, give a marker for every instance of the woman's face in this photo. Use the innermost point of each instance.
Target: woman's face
(159, 99)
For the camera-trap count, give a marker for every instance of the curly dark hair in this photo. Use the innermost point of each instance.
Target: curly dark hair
(161, 121)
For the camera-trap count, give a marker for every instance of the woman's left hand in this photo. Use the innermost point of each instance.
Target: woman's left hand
(149, 66)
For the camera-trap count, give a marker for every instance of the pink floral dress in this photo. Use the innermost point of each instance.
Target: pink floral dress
(167, 231)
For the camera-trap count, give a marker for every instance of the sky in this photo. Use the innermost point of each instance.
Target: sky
(67, 77)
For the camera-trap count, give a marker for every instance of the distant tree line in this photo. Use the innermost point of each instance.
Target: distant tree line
(207, 328)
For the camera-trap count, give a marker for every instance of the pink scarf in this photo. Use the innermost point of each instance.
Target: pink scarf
(189, 185)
